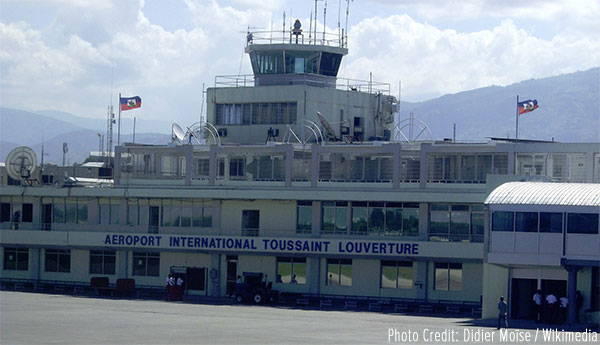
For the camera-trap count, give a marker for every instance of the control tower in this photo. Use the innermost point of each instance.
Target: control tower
(294, 86)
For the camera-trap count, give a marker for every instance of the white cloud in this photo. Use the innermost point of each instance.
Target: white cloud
(67, 64)
(431, 62)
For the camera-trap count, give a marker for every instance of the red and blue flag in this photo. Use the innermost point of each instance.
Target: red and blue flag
(527, 106)
(130, 103)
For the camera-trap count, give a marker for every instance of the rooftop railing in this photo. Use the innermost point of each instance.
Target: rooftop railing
(247, 80)
(296, 37)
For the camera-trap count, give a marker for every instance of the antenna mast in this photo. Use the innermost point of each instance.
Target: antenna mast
(347, 13)
(324, 20)
(339, 25)
(310, 29)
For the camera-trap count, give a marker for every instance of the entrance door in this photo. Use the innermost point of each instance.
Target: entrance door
(232, 261)
(196, 279)
(153, 219)
(521, 298)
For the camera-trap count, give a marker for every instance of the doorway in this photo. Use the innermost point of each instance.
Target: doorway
(196, 280)
(232, 261)
(521, 298)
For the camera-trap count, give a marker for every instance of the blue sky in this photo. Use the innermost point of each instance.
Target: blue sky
(66, 54)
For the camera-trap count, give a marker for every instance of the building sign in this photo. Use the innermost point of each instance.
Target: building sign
(262, 244)
(243, 245)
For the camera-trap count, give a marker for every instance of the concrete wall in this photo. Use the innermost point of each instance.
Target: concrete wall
(277, 218)
(495, 284)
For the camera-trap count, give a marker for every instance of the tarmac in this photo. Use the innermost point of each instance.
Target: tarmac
(35, 318)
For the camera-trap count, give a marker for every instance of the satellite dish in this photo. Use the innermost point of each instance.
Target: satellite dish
(330, 131)
(21, 162)
(177, 132)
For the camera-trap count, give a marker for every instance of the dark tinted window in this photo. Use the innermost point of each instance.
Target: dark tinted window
(582, 223)
(502, 221)
(551, 222)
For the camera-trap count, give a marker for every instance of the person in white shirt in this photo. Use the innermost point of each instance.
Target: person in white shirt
(564, 305)
(551, 314)
(537, 304)
(179, 291)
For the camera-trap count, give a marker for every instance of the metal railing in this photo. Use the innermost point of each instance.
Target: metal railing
(247, 80)
(296, 37)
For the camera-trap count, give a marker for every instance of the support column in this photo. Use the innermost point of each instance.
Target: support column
(571, 295)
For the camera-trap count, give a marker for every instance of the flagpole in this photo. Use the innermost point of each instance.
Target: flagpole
(119, 127)
(517, 120)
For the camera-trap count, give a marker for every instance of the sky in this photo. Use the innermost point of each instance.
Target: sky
(76, 56)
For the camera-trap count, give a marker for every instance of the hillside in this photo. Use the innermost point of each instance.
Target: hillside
(19, 127)
(569, 110)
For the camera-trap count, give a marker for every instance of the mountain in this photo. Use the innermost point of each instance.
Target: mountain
(18, 127)
(26, 128)
(569, 110)
(99, 124)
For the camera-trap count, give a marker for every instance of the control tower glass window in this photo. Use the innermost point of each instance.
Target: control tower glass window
(266, 62)
(302, 62)
(330, 63)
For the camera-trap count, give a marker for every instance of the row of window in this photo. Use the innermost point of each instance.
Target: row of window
(456, 222)
(394, 274)
(366, 218)
(547, 222)
(256, 113)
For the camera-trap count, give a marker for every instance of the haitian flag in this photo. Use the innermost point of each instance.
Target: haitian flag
(527, 106)
(131, 103)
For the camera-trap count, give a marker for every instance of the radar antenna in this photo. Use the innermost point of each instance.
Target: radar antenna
(21, 163)
(303, 132)
(405, 130)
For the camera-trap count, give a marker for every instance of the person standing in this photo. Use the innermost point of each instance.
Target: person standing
(179, 283)
(167, 288)
(578, 303)
(293, 281)
(537, 304)
(564, 305)
(171, 282)
(502, 310)
(551, 313)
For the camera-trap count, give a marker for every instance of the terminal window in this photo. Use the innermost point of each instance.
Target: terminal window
(334, 217)
(339, 272)
(58, 260)
(274, 113)
(304, 217)
(448, 276)
(102, 261)
(146, 264)
(456, 222)
(582, 223)
(385, 218)
(16, 259)
(397, 274)
(70, 210)
(292, 270)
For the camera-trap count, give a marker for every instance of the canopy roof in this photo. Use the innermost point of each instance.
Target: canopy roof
(546, 193)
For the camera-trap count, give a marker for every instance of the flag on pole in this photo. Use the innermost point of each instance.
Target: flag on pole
(527, 106)
(130, 103)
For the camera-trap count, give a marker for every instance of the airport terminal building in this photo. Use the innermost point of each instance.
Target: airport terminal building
(303, 176)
